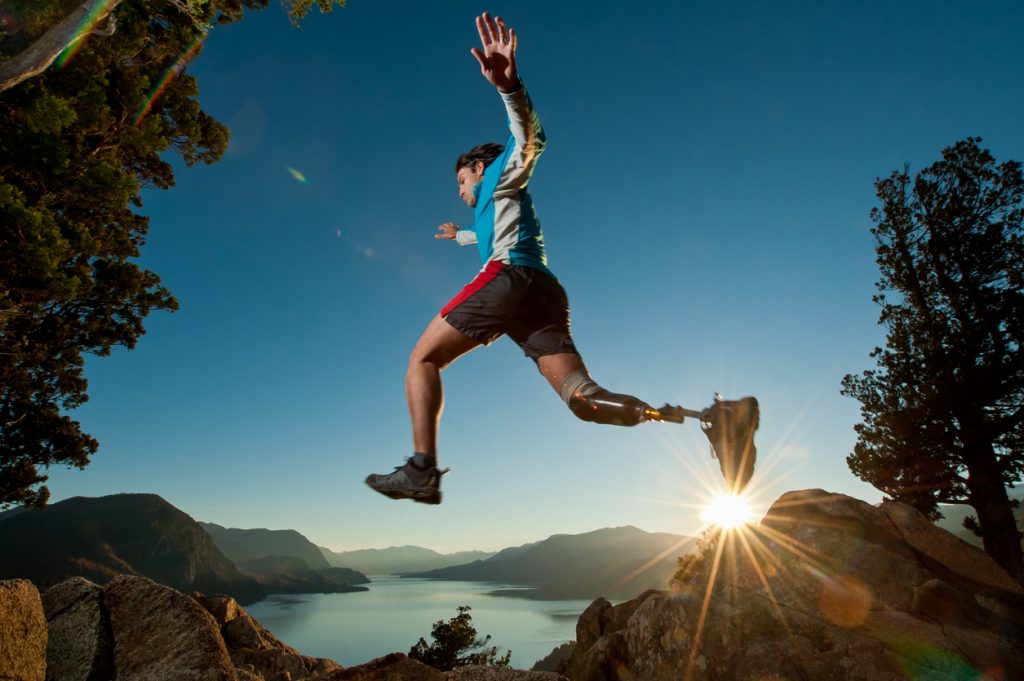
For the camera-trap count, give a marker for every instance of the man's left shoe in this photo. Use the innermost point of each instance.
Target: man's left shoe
(730, 426)
(409, 482)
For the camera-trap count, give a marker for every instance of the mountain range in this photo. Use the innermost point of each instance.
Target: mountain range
(399, 559)
(243, 545)
(100, 538)
(616, 563)
(142, 534)
(953, 519)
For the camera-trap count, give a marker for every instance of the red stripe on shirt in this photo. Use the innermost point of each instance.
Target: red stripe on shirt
(487, 274)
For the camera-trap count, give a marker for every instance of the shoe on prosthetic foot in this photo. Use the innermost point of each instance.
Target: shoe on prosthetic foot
(409, 481)
(730, 426)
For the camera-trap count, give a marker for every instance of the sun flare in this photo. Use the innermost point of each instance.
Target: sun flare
(727, 511)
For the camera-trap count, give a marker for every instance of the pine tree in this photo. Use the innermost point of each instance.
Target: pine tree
(943, 412)
(454, 644)
(78, 143)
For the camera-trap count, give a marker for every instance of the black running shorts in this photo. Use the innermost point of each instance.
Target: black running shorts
(525, 303)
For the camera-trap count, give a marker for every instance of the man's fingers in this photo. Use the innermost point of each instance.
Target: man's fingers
(480, 58)
(502, 31)
(512, 39)
(481, 30)
(484, 29)
(492, 29)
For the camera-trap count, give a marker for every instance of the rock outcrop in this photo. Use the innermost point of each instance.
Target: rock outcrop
(827, 587)
(22, 632)
(80, 646)
(135, 629)
(163, 635)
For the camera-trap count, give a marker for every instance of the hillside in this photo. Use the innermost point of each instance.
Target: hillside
(99, 538)
(399, 559)
(242, 545)
(614, 563)
(954, 514)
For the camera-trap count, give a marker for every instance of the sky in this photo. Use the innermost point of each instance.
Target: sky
(705, 199)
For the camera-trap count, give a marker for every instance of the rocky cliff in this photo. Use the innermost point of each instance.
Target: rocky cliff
(134, 629)
(826, 587)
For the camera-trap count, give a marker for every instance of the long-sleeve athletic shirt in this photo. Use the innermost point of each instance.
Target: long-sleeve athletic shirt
(505, 228)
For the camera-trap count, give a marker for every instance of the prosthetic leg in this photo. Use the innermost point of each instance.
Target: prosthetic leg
(728, 424)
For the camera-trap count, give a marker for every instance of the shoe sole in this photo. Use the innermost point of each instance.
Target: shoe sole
(431, 497)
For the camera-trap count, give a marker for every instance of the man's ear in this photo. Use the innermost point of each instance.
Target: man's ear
(479, 167)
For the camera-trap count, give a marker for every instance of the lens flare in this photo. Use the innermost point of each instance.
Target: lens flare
(299, 177)
(87, 26)
(177, 67)
(727, 511)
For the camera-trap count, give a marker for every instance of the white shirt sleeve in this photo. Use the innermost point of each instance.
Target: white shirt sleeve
(465, 237)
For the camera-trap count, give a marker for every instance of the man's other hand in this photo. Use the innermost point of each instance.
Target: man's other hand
(498, 56)
(447, 230)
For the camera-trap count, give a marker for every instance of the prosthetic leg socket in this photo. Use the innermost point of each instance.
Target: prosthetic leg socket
(590, 402)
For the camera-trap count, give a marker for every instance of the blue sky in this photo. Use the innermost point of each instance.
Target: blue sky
(705, 198)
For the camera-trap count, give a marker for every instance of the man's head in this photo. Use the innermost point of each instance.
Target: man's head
(469, 169)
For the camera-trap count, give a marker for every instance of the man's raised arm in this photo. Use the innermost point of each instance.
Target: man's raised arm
(497, 59)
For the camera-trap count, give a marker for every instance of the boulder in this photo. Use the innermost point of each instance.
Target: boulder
(163, 635)
(223, 608)
(255, 652)
(22, 632)
(245, 632)
(555, 660)
(826, 587)
(275, 663)
(80, 646)
(475, 672)
(393, 667)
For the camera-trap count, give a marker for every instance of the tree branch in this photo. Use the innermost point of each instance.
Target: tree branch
(38, 56)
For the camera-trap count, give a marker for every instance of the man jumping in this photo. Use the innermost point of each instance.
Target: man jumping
(516, 294)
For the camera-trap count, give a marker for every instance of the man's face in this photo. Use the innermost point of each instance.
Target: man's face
(468, 177)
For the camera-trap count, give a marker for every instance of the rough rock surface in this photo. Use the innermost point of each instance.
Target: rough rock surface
(482, 673)
(827, 587)
(163, 635)
(22, 632)
(80, 646)
(134, 629)
(255, 652)
(393, 667)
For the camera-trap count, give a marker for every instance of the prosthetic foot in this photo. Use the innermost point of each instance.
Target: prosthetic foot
(729, 425)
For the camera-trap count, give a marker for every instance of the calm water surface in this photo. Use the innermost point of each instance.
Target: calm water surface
(354, 628)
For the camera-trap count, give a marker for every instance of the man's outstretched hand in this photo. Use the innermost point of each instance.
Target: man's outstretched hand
(498, 56)
(447, 231)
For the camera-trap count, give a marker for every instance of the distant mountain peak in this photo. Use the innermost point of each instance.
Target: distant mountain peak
(96, 537)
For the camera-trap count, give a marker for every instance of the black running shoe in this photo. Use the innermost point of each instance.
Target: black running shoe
(409, 482)
(730, 426)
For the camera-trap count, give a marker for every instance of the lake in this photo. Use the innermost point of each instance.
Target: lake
(353, 628)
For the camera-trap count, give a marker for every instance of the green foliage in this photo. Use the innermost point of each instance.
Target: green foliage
(943, 413)
(74, 158)
(690, 565)
(454, 643)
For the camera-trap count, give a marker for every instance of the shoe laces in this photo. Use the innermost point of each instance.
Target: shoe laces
(407, 461)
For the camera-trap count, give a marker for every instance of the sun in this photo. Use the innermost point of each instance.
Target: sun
(727, 511)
